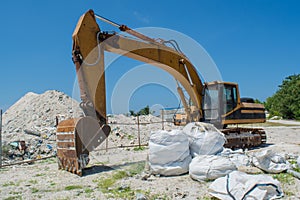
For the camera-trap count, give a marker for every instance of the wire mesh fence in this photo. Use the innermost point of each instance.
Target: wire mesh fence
(138, 123)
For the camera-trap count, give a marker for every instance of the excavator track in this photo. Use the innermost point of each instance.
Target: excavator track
(75, 139)
(244, 137)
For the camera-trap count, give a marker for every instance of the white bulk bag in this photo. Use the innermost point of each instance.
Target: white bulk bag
(239, 185)
(269, 161)
(169, 153)
(204, 138)
(210, 167)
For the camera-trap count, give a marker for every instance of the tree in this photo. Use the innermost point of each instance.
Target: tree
(286, 101)
(132, 113)
(143, 111)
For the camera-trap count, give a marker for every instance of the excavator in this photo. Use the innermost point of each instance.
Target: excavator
(216, 102)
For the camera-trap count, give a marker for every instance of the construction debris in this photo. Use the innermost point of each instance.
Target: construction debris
(32, 132)
(31, 121)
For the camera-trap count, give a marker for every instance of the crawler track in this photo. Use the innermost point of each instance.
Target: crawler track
(244, 137)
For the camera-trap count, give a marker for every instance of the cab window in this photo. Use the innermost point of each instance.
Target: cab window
(230, 95)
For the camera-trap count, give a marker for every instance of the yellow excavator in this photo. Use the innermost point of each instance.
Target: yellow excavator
(217, 102)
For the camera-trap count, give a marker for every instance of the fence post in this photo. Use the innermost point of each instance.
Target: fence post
(0, 137)
(139, 137)
(162, 120)
(106, 140)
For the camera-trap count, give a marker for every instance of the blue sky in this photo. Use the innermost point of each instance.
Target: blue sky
(254, 43)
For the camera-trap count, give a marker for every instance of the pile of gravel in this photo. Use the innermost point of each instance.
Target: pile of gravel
(37, 113)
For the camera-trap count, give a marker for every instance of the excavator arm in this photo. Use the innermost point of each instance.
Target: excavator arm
(89, 43)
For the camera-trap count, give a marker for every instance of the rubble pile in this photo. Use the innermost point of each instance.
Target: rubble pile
(32, 120)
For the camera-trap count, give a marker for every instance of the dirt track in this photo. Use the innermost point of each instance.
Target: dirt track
(106, 179)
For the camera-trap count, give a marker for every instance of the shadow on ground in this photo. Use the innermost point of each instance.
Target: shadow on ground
(95, 169)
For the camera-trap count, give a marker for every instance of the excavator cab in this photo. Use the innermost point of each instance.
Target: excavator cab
(222, 105)
(219, 98)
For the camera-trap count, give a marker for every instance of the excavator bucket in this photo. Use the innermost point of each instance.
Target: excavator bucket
(75, 139)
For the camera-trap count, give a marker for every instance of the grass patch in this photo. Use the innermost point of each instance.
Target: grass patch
(284, 178)
(207, 198)
(14, 192)
(294, 162)
(88, 190)
(3, 169)
(41, 174)
(137, 168)
(141, 148)
(33, 181)
(130, 137)
(266, 124)
(52, 184)
(111, 189)
(73, 187)
(120, 175)
(13, 197)
(122, 192)
(106, 184)
(34, 190)
(48, 160)
(10, 183)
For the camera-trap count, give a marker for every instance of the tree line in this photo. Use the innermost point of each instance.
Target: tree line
(286, 101)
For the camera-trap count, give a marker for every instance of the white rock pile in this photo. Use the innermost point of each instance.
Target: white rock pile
(37, 113)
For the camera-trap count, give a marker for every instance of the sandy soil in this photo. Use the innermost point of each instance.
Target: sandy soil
(42, 180)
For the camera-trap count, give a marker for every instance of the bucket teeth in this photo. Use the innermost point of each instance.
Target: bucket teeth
(75, 139)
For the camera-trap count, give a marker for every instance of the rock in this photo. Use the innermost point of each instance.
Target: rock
(145, 176)
(140, 196)
(250, 170)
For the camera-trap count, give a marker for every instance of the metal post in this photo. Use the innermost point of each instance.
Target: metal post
(162, 120)
(0, 137)
(139, 138)
(106, 140)
(106, 145)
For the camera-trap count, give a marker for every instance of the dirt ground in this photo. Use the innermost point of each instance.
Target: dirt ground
(118, 174)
